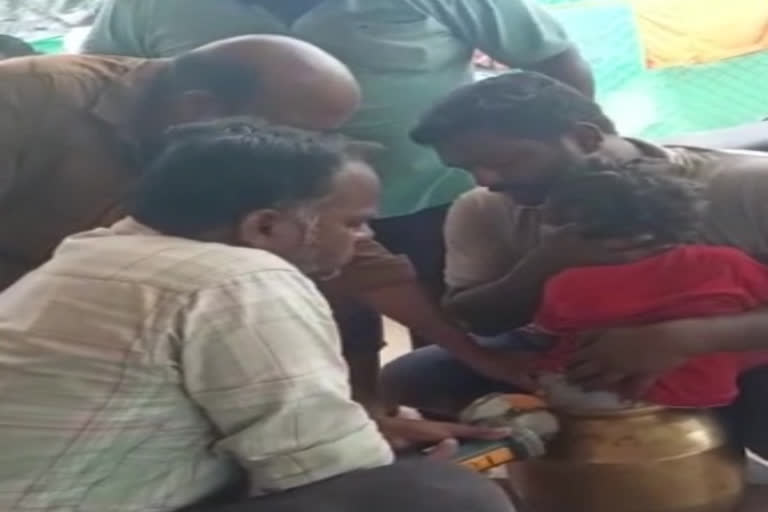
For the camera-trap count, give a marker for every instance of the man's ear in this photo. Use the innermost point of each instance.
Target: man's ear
(259, 229)
(196, 105)
(587, 136)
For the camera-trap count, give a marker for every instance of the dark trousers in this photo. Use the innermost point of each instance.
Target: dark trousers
(362, 337)
(434, 381)
(410, 486)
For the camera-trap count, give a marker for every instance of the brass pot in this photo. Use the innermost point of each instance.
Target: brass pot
(648, 459)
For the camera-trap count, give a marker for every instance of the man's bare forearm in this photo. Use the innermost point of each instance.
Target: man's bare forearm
(408, 304)
(732, 333)
(389, 284)
(505, 304)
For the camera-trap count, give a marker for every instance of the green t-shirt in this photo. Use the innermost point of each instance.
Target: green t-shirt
(405, 53)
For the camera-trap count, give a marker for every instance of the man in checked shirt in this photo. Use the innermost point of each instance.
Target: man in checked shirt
(181, 358)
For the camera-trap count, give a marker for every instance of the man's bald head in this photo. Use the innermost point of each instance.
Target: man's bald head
(281, 79)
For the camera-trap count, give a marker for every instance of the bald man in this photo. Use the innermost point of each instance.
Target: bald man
(76, 130)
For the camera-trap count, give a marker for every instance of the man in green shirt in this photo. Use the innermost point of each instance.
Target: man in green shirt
(405, 53)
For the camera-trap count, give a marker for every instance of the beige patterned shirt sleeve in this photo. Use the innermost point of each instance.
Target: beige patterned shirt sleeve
(261, 356)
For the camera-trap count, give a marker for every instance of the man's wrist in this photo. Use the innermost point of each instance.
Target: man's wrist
(738, 333)
(699, 337)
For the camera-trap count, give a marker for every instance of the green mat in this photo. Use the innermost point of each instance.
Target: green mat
(49, 45)
(704, 97)
(660, 103)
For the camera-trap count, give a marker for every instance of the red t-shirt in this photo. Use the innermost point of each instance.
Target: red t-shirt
(685, 282)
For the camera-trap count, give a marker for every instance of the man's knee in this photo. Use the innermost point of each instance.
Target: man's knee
(434, 381)
(411, 486)
(421, 485)
(416, 379)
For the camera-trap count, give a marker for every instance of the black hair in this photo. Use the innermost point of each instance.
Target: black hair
(522, 104)
(641, 197)
(213, 174)
(11, 46)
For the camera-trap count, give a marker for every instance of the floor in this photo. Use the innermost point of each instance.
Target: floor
(398, 341)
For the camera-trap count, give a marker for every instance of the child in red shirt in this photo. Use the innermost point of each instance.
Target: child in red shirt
(688, 280)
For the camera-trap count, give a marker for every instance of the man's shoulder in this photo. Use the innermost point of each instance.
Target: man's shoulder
(483, 211)
(76, 80)
(708, 162)
(481, 201)
(170, 263)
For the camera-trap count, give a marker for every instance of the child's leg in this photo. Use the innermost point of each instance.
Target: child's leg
(437, 383)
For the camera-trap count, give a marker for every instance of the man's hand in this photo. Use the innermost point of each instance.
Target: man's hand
(443, 438)
(567, 247)
(631, 359)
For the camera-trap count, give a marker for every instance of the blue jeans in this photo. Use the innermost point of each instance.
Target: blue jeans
(437, 383)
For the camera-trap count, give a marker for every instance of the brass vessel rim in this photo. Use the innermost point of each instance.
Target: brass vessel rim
(598, 413)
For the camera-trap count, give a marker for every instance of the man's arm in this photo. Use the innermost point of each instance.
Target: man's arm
(632, 358)
(729, 333)
(738, 333)
(261, 356)
(410, 305)
(512, 300)
(21, 119)
(494, 282)
(506, 303)
(518, 33)
(389, 285)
